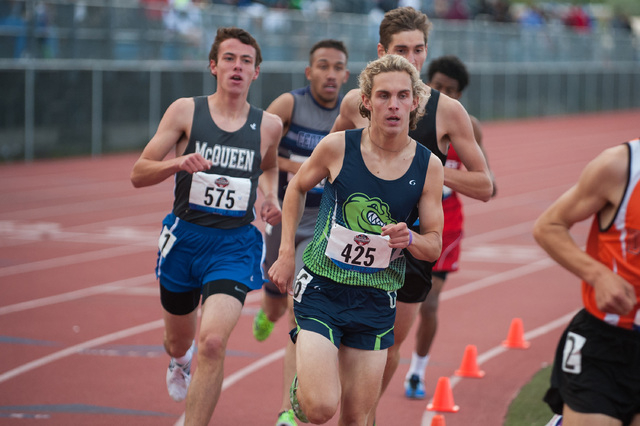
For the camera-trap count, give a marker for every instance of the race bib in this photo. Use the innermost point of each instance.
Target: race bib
(165, 242)
(446, 191)
(300, 284)
(572, 353)
(223, 195)
(358, 251)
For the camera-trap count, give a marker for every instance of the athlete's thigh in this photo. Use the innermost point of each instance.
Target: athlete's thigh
(361, 377)
(316, 361)
(432, 301)
(405, 316)
(177, 327)
(220, 314)
(574, 418)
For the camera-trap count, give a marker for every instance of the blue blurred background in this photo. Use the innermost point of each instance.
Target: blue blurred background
(88, 77)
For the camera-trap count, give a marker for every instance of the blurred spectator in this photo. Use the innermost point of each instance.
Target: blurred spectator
(230, 2)
(13, 22)
(458, 10)
(577, 19)
(154, 10)
(502, 11)
(440, 9)
(45, 32)
(621, 21)
(416, 4)
(351, 6)
(532, 17)
(386, 5)
(183, 19)
(492, 10)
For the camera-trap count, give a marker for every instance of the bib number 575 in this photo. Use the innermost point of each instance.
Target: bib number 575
(215, 197)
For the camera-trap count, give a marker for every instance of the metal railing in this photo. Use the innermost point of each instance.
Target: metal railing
(103, 92)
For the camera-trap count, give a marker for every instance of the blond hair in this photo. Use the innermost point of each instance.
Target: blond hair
(392, 63)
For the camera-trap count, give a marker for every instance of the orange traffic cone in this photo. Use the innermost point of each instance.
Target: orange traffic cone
(443, 398)
(515, 338)
(469, 366)
(438, 420)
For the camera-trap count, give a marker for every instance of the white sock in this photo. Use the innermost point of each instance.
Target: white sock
(418, 365)
(183, 360)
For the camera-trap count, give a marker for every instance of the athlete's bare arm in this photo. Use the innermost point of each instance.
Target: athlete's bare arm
(477, 133)
(325, 162)
(349, 117)
(282, 106)
(270, 133)
(599, 190)
(172, 134)
(454, 125)
(428, 245)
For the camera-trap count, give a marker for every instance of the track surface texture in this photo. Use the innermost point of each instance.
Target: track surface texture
(81, 323)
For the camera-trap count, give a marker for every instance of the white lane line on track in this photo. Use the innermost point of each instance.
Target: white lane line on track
(446, 295)
(78, 294)
(497, 278)
(72, 350)
(72, 259)
(499, 350)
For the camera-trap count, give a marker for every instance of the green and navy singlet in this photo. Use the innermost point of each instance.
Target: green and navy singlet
(356, 206)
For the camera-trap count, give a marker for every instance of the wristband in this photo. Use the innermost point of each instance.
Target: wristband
(410, 238)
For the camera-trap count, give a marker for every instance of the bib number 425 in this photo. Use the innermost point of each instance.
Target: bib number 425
(358, 255)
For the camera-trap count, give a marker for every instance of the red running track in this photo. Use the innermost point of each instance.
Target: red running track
(80, 320)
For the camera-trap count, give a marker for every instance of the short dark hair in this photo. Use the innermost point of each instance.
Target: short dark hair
(226, 33)
(403, 19)
(452, 67)
(330, 44)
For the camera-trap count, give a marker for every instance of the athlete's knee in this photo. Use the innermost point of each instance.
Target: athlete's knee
(211, 346)
(176, 347)
(393, 355)
(351, 418)
(274, 308)
(320, 410)
(430, 305)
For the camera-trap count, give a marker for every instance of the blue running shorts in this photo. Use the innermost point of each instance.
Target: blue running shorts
(190, 255)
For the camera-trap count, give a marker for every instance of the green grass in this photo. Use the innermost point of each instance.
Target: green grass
(528, 409)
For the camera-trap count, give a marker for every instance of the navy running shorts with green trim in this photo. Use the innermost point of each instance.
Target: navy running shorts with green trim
(358, 317)
(596, 369)
(199, 255)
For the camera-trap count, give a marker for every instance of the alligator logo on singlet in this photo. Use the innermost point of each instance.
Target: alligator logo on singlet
(364, 214)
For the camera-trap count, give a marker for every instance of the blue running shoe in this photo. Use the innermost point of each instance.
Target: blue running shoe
(414, 387)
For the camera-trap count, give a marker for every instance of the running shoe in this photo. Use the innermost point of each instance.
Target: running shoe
(287, 418)
(178, 379)
(295, 405)
(414, 387)
(262, 327)
(556, 420)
